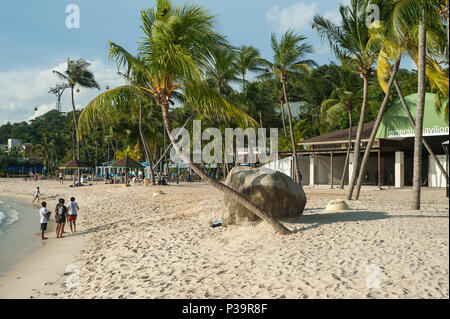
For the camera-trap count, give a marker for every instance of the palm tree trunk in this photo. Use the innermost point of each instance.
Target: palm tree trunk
(417, 168)
(413, 125)
(352, 180)
(291, 130)
(144, 140)
(168, 147)
(375, 128)
(220, 186)
(260, 119)
(347, 157)
(282, 118)
(76, 131)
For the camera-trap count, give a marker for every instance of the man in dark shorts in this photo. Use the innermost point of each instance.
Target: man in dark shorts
(61, 214)
(44, 215)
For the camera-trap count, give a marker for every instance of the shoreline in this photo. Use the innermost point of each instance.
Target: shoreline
(46, 264)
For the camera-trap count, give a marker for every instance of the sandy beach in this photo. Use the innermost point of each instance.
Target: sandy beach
(131, 244)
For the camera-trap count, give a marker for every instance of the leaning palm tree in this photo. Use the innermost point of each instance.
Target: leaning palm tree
(392, 48)
(77, 73)
(412, 15)
(351, 39)
(171, 59)
(288, 64)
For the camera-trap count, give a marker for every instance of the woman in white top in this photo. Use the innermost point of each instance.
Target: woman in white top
(73, 213)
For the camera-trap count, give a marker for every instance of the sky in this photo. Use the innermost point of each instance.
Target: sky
(35, 40)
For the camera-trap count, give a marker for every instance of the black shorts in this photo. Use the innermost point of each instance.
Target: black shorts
(60, 220)
(43, 226)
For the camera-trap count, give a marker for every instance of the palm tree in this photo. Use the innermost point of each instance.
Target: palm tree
(172, 55)
(222, 70)
(408, 16)
(343, 98)
(351, 39)
(288, 64)
(77, 73)
(393, 46)
(248, 60)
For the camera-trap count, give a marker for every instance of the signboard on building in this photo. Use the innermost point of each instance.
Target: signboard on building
(395, 123)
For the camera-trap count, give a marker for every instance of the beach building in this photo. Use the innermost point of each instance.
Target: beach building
(13, 143)
(322, 158)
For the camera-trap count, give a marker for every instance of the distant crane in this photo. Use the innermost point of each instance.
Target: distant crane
(58, 90)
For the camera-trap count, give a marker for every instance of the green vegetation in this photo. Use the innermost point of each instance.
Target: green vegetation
(185, 70)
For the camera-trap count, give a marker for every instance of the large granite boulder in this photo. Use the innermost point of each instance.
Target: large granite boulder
(273, 191)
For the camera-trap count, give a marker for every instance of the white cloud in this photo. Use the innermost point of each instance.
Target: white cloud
(21, 90)
(333, 16)
(297, 16)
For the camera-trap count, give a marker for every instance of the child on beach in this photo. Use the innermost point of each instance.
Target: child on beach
(44, 216)
(37, 195)
(60, 215)
(73, 212)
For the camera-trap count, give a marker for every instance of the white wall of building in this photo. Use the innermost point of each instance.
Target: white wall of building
(435, 177)
(13, 143)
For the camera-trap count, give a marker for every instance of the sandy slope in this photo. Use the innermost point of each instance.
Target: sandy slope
(140, 246)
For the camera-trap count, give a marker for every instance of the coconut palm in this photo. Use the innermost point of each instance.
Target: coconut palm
(289, 61)
(392, 48)
(343, 98)
(171, 59)
(77, 73)
(248, 60)
(222, 70)
(410, 15)
(351, 39)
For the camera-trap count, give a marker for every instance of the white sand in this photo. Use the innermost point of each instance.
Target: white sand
(140, 246)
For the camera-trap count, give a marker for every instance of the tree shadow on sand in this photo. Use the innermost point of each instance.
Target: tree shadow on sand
(318, 219)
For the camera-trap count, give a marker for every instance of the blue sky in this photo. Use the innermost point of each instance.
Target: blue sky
(35, 40)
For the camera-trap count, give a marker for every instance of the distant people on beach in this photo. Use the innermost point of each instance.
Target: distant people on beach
(37, 195)
(44, 215)
(73, 213)
(61, 179)
(60, 216)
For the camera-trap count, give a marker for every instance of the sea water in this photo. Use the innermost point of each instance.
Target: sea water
(19, 231)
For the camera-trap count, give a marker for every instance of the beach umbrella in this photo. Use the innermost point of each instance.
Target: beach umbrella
(126, 163)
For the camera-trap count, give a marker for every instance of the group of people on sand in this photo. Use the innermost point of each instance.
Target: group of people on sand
(62, 214)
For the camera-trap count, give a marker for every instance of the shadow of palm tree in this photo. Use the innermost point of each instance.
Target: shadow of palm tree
(316, 220)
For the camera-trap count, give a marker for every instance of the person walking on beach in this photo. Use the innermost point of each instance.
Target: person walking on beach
(73, 212)
(37, 195)
(61, 180)
(44, 215)
(60, 215)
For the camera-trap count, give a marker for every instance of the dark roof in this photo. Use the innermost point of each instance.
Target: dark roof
(340, 136)
(126, 162)
(73, 164)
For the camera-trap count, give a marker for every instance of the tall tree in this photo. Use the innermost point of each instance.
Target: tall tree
(177, 40)
(351, 39)
(344, 97)
(248, 60)
(289, 61)
(77, 73)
